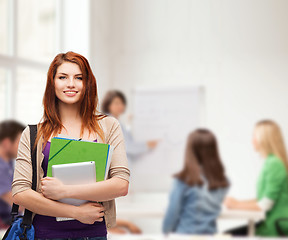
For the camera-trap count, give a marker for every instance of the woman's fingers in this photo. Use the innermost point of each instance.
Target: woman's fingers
(95, 204)
(47, 178)
(91, 212)
(99, 220)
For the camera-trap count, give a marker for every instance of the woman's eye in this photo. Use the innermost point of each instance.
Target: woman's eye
(80, 78)
(62, 77)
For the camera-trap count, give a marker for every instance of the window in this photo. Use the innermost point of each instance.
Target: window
(4, 32)
(32, 32)
(28, 43)
(36, 30)
(3, 92)
(28, 94)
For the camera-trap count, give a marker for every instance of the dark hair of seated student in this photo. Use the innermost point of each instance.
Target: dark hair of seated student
(10, 129)
(108, 99)
(202, 157)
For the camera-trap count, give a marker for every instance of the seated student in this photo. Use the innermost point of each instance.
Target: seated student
(199, 189)
(272, 186)
(10, 132)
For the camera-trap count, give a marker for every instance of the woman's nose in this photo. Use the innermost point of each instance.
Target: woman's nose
(70, 82)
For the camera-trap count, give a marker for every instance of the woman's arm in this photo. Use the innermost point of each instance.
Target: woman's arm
(100, 191)
(115, 186)
(173, 211)
(233, 203)
(23, 195)
(87, 213)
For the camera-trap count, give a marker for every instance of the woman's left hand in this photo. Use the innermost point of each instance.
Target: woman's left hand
(230, 202)
(52, 188)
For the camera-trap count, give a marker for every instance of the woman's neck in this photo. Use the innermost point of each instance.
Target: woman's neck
(69, 113)
(115, 115)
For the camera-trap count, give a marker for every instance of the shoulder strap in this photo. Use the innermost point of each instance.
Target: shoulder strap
(27, 219)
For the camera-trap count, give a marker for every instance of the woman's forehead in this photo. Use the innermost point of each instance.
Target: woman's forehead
(69, 68)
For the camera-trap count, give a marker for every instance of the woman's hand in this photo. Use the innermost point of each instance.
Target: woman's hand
(230, 202)
(133, 228)
(90, 212)
(52, 188)
(152, 144)
(249, 205)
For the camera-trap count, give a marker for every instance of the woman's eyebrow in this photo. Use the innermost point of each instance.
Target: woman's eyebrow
(67, 74)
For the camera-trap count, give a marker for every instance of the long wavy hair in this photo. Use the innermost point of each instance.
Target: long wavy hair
(270, 140)
(202, 159)
(50, 123)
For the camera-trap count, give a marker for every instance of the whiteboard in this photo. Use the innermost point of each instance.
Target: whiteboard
(168, 114)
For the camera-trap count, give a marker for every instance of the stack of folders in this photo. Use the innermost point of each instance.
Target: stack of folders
(78, 162)
(65, 150)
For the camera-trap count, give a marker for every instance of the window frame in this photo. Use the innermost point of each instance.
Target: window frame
(11, 61)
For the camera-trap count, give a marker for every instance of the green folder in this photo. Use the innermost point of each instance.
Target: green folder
(63, 151)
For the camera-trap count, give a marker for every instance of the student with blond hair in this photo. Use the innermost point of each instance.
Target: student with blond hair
(272, 186)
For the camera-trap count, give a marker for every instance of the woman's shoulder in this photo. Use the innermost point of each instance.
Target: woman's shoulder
(25, 137)
(274, 167)
(108, 122)
(110, 126)
(25, 133)
(178, 183)
(273, 160)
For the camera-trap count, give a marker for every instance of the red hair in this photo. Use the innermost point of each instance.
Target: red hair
(51, 123)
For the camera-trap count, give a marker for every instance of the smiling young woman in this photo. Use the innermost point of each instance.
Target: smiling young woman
(70, 108)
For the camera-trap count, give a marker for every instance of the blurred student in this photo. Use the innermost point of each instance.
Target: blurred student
(272, 186)
(199, 189)
(114, 103)
(10, 132)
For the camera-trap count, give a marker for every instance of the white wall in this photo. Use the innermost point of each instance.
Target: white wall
(100, 43)
(236, 49)
(76, 26)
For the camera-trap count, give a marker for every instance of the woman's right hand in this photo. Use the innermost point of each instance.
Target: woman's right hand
(230, 202)
(152, 144)
(89, 213)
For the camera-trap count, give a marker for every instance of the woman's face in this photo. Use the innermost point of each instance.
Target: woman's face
(68, 83)
(116, 107)
(255, 141)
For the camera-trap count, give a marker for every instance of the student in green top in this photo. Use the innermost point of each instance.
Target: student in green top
(272, 186)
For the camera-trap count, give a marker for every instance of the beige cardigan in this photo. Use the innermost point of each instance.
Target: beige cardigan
(118, 168)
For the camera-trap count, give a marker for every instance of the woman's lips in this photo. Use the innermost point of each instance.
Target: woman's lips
(70, 93)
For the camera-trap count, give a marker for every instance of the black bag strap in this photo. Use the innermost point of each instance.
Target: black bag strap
(27, 219)
(14, 211)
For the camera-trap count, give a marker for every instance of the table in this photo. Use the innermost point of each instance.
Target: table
(252, 217)
(181, 237)
(136, 210)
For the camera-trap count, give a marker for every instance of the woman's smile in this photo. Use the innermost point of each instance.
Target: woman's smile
(70, 93)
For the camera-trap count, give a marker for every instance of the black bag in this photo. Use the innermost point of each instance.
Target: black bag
(21, 227)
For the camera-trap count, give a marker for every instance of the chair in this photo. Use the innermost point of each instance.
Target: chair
(279, 229)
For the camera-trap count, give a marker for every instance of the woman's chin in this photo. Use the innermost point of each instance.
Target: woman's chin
(69, 101)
